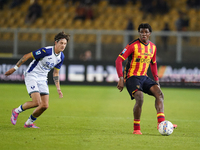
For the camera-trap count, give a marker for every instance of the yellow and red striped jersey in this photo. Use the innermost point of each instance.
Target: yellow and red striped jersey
(139, 56)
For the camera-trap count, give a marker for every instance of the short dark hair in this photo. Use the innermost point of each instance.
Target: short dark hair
(144, 25)
(61, 35)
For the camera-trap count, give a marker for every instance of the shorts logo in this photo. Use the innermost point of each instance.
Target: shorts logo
(38, 53)
(32, 87)
(43, 50)
(138, 86)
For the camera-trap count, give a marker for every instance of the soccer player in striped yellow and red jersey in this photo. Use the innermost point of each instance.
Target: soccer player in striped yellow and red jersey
(140, 53)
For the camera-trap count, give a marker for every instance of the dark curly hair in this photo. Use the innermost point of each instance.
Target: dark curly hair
(61, 35)
(144, 25)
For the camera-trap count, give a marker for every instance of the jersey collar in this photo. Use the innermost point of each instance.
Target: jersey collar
(54, 52)
(143, 42)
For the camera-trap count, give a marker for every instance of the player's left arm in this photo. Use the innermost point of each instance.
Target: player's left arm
(154, 69)
(57, 81)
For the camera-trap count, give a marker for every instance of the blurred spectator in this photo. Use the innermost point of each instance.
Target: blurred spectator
(2, 3)
(193, 4)
(74, 1)
(161, 7)
(84, 12)
(146, 6)
(182, 22)
(87, 2)
(87, 56)
(34, 12)
(89, 12)
(165, 38)
(90, 2)
(80, 12)
(16, 3)
(130, 27)
(133, 1)
(118, 2)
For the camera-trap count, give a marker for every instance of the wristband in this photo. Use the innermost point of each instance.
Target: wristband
(16, 67)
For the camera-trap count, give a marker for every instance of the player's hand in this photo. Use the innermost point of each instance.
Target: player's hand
(60, 93)
(9, 72)
(120, 84)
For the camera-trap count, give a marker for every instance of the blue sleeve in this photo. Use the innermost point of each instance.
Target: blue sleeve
(41, 53)
(58, 66)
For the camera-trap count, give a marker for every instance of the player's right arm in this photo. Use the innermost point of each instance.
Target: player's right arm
(19, 63)
(118, 63)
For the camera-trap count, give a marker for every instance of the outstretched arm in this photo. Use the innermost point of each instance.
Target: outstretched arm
(19, 63)
(57, 82)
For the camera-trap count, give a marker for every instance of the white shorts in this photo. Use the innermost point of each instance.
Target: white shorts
(33, 85)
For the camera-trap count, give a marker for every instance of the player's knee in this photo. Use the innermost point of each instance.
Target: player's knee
(161, 95)
(139, 98)
(36, 103)
(45, 106)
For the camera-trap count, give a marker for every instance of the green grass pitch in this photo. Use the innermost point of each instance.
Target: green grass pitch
(99, 118)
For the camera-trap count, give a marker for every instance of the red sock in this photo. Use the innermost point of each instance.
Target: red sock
(136, 124)
(160, 117)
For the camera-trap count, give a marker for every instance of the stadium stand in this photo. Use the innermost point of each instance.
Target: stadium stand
(59, 14)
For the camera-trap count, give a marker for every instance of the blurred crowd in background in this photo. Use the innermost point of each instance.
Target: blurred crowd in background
(103, 13)
(126, 15)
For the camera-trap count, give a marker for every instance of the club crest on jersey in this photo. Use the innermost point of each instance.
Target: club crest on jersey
(38, 52)
(150, 50)
(124, 51)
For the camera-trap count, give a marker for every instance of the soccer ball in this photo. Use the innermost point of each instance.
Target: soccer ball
(165, 128)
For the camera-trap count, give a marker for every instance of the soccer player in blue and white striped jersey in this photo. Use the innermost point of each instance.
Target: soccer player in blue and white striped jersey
(44, 59)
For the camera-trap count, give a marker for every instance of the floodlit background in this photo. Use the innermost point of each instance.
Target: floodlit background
(99, 117)
(103, 27)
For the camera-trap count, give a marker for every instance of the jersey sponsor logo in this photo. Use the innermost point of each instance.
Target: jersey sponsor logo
(38, 52)
(143, 60)
(49, 58)
(48, 66)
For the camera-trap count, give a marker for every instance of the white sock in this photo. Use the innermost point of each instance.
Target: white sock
(19, 109)
(30, 120)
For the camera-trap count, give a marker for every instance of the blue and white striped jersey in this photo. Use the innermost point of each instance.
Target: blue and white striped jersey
(44, 59)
